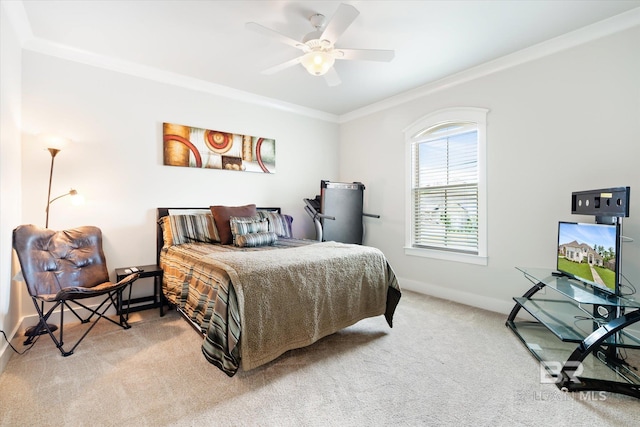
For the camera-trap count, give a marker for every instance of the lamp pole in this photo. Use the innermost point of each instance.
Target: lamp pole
(53, 152)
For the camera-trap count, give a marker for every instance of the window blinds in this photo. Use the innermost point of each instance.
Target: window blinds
(445, 192)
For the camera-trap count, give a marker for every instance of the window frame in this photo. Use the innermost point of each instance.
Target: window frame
(413, 133)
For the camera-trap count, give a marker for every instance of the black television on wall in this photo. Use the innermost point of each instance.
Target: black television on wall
(590, 253)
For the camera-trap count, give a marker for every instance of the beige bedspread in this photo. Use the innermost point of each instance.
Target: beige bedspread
(292, 297)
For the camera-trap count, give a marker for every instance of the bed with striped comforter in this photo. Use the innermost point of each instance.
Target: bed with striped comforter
(253, 304)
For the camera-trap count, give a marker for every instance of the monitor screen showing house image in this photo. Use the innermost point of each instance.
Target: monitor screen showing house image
(587, 252)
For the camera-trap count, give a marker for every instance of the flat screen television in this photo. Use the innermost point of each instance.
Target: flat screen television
(590, 253)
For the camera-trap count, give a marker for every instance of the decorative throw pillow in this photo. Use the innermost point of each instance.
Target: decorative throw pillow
(179, 229)
(221, 215)
(278, 223)
(246, 225)
(255, 239)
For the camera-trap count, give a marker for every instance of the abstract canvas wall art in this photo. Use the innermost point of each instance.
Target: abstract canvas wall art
(211, 149)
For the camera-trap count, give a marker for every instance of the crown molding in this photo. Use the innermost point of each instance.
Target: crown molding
(18, 18)
(46, 47)
(17, 15)
(615, 24)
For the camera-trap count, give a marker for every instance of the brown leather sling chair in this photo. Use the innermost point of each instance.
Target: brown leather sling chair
(62, 267)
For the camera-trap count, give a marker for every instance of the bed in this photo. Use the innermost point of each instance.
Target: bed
(254, 292)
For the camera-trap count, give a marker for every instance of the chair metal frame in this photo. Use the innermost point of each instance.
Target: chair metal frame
(43, 327)
(74, 292)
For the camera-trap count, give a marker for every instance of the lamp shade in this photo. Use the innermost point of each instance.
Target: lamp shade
(317, 62)
(77, 199)
(52, 141)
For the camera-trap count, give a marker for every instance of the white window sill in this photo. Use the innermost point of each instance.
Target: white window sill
(446, 256)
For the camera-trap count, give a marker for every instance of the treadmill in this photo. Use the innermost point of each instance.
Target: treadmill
(337, 212)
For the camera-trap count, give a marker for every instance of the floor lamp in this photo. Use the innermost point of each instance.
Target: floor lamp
(72, 192)
(39, 329)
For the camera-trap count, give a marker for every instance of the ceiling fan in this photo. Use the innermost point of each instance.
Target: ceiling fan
(318, 47)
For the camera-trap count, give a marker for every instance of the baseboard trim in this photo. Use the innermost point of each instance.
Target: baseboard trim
(69, 318)
(6, 352)
(17, 335)
(466, 298)
(5, 355)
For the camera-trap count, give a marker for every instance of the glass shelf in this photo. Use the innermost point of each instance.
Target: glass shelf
(567, 329)
(544, 345)
(576, 290)
(571, 323)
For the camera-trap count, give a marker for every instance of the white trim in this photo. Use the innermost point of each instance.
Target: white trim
(452, 114)
(6, 351)
(18, 17)
(621, 22)
(475, 115)
(447, 256)
(69, 319)
(604, 28)
(150, 73)
(460, 297)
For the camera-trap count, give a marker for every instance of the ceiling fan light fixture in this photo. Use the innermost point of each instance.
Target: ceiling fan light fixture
(318, 47)
(317, 62)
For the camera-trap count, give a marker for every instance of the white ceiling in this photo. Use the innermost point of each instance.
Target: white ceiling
(207, 40)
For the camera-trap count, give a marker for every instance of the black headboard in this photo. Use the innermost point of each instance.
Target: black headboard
(162, 212)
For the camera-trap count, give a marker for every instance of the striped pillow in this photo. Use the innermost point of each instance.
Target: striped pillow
(255, 239)
(246, 225)
(278, 223)
(180, 229)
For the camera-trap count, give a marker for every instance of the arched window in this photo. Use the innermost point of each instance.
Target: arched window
(447, 185)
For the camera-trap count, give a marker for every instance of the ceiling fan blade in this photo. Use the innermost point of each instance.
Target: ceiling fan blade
(280, 67)
(332, 78)
(274, 34)
(339, 22)
(365, 54)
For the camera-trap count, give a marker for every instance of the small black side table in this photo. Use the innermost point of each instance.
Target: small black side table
(156, 299)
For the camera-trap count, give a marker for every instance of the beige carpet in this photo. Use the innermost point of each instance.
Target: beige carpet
(443, 364)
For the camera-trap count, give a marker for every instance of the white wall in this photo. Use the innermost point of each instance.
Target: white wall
(10, 118)
(10, 57)
(563, 123)
(115, 159)
(567, 122)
